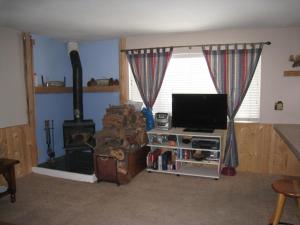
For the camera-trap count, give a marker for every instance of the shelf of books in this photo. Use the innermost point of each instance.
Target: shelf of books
(175, 152)
(189, 170)
(198, 162)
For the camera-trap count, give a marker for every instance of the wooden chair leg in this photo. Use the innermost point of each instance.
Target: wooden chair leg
(298, 200)
(278, 211)
(296, 185)
(12, 185)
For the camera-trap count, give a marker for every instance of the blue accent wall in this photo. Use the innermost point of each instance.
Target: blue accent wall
(52, 61)
(95, 105)
(99, 59)
(56, 107)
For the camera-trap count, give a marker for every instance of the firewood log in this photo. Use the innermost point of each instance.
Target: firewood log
(123, 127)
(117, 154)
(122, 168)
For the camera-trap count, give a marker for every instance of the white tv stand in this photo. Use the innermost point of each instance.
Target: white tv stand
(175, 151)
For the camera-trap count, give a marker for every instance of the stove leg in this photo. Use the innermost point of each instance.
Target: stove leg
(67, 160)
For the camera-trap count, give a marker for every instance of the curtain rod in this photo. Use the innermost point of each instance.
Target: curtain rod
(191, 46)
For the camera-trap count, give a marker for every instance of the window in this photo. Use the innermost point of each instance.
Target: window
(188, 73)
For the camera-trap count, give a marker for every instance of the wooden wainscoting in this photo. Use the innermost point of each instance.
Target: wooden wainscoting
(16, 143)
(261, 150)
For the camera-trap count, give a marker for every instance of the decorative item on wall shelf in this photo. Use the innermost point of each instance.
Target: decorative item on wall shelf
(295, 59)
(53, 83)
(102, 82)
(91, 82)
(296, 63)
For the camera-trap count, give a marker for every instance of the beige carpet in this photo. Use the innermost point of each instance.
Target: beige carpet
(150, 199)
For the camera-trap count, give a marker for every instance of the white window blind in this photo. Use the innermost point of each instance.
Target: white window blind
(188, 73)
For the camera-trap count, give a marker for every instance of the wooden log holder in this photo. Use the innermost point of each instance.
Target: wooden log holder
(106, 167)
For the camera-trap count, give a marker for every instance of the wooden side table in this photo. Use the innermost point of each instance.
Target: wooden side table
(284, 188)
(7, 169)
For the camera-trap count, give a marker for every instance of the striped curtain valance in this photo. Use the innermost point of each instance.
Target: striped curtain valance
(148, 51)
(237, 46)
(148, 68)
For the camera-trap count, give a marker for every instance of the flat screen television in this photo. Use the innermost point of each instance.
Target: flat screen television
(199, 112)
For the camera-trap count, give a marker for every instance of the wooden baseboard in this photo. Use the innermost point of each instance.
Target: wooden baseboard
(260, 150)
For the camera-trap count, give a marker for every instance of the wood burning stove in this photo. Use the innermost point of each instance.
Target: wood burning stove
(78, 133)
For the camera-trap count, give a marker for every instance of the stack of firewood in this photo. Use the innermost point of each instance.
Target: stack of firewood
(124, 129)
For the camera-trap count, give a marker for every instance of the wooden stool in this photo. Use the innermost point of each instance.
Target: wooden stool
(285, 188)
(7, 168)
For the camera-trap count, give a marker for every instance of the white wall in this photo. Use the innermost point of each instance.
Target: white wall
(12, 79)
(285, 41)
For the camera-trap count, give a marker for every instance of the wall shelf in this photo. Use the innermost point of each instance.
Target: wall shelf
(291, 73)
(45, 90)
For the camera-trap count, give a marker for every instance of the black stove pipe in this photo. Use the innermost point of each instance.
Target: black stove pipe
(77, 86)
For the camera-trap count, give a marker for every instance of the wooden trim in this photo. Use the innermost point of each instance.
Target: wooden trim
(291, 73)
(28, 63)
(45, 90)
(123, 70)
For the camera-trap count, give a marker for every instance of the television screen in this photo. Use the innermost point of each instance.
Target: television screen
(199, 112)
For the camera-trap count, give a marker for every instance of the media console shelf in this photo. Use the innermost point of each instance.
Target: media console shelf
(178, 152)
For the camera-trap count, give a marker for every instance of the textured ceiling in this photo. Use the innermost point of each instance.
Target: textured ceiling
(101, 19)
